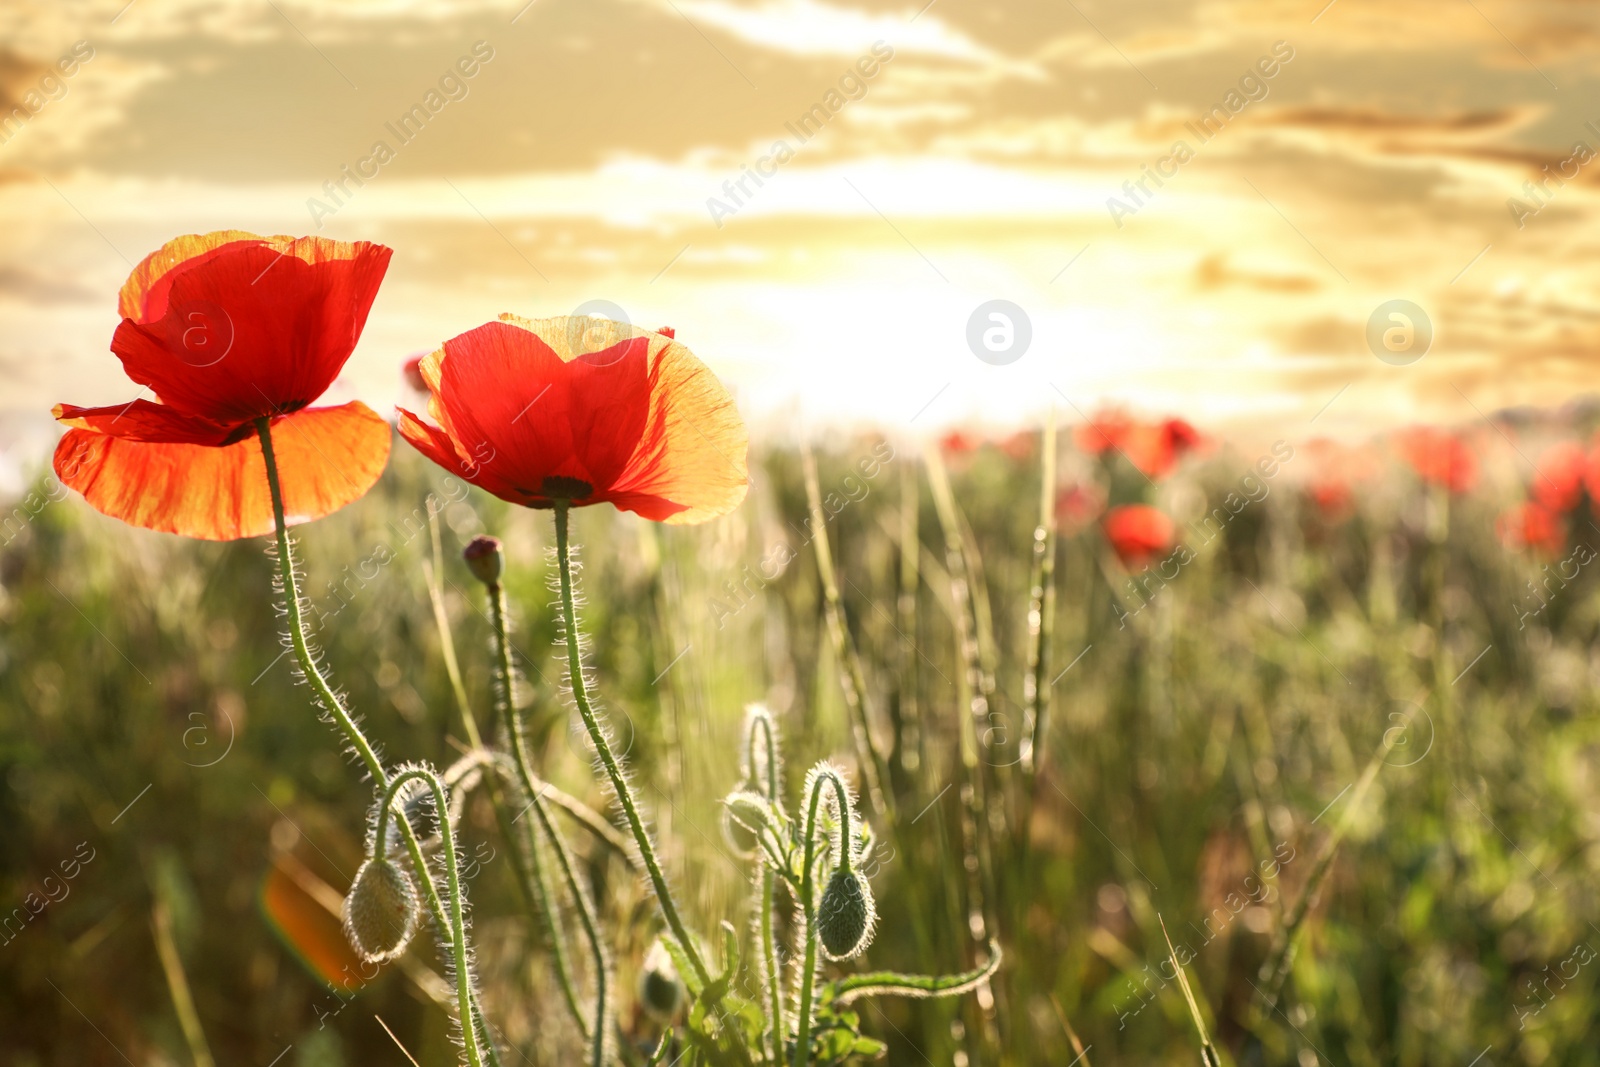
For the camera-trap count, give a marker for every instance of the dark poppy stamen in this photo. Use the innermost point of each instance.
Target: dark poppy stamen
(560, 487)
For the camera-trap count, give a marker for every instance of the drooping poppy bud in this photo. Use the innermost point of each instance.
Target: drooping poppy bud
(380, 911)
(660, 988)
(745, 814)
(484, 559)
(846, 916)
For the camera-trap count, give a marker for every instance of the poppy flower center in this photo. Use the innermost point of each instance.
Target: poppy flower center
(560, 487)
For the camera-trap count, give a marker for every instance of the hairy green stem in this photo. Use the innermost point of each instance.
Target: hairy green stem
(769, 945)
(471, 1013)
(586, 910)
(297, 635)
(455, 922)
(608, 760)
(808, 893)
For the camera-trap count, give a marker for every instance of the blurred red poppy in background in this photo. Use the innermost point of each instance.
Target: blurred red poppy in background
(1079, 504)
(958, 443)
(1336, 470)
(227, 328)
(1019, 446)
(1157, 448)
(1591, 476)
(1153, 448)
(639, 423)
(1439, 458)
(1334, 499)
(1105, 432)
(1138, 532)
(1533, 526)
(1559, 475)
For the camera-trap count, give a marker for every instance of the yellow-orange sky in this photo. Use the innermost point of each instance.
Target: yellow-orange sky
(976, 163)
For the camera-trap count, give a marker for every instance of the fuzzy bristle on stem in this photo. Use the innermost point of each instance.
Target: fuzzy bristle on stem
(608, 760)
(470, 1012)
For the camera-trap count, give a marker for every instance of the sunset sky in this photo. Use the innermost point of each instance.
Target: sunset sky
(577, 161)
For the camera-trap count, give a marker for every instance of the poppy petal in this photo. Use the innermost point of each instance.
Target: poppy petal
(548, 416)
(440, 447)
(230, 327)
(633, 415)
(140, 420)
(694, 450)
(327, 458)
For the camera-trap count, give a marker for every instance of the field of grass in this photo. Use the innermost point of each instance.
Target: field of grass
(1342, 748)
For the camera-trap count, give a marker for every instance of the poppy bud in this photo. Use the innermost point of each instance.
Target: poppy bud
(845, 916)
(744, 815)
(660, 988)
(380, 911)
(484, 559)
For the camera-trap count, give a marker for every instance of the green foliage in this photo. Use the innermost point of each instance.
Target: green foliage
(1200, 754)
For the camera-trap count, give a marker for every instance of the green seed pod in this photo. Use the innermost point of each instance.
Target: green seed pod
(744, 815)
(846, 916)
(380, 911)
(660, 988)
(484, 559)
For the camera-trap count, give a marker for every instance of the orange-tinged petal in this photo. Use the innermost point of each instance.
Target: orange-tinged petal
(327, 458)
(693, 454)
(131, 300)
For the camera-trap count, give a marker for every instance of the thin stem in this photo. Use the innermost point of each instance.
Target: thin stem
(852, 679)
(447, 645)
(358, 741)
(619, 782)
(760, 720)
(519, 751)
(808, 892)
(466, 1001)
(769, 959)
(297, 636)
(1041, 616)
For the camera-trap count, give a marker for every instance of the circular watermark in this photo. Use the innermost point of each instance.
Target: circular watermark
(996, 740)
(200, 333)
(999, 332)
(1399, 332)
(1409, 736)
(592, 328)
(197, 739)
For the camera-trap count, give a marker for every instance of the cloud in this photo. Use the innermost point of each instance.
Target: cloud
(811, 28)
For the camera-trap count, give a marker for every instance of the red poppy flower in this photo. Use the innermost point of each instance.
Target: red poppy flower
(1106, 432)
(227, 328)
(1156, 449)
(1079, 504)
(527, 414)
(1533, 526)
(958, 443)
(1153, 448)
(1332, 496)
(1559, 476)
(1138, 532)
(1019, 446)
(1440, 458)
